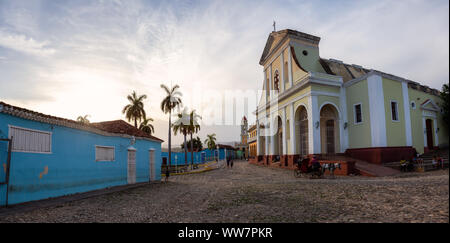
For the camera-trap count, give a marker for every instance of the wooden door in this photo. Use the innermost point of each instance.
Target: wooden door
(429, 126)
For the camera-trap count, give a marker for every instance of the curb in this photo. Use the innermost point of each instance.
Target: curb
(208, 167)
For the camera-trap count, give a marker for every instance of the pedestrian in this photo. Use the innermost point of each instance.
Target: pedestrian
(231, 163)
(167, 174)
(228, 162)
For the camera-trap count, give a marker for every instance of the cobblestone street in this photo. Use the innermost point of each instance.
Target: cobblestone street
(248, 193)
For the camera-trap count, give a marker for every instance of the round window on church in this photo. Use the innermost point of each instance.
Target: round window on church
(305, 52)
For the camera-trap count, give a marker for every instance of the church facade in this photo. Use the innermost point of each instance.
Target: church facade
(311, 105)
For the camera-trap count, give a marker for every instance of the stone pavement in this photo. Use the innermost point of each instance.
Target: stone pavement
(248, 193)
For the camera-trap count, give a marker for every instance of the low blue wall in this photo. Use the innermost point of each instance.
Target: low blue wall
(178, 158)
(71, 165)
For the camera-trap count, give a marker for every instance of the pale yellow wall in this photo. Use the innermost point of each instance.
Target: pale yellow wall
(310, 62)
(417, 130)
(276, 65)
(395, 130)
(325, 88)
(358, 134)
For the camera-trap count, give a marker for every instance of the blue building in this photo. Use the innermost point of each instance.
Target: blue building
(222, 152)
(42, 156)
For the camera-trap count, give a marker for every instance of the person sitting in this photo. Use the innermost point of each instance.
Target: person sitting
(403, 165)
(410, 165)
(440, 162)
(315, 165)
(434, 162)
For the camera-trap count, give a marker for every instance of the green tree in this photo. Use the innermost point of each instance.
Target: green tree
(211, 141)
(83, 119)
(146, 126)
(170, 102)
(198, 145)
(182, 125)
(194, 127)
(445, 104)
(135, 110)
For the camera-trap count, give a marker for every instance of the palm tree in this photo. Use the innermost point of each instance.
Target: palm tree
(170, 102)
(182, 125)
(135, 110)
(146, 126)
(194, 127)
(83, 119)
(211, 141)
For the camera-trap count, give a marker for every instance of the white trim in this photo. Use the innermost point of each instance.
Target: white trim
(293, 140)
(436, 137)
(270, 81)
(31, 130)
(291, 82)
(396, 110)
(334, 105)
(377, 111)
(284, 152)
(282, 71)
(355, 122)
(344, 131)
(435, 107)
(407, 115)
(313, 132)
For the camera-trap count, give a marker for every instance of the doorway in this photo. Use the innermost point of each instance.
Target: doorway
(152, 164)
(429, 129)
(330, 136)
(131, 170)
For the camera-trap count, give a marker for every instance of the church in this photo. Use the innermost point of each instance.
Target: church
(311, 105)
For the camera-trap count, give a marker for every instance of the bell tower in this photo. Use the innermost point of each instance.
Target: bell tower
(244, 130)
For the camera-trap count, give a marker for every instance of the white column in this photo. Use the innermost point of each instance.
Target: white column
(290, 67)
(343, 119)
(270, 78)
(424, 126)
(273, 135)
(407, 114)
(313, 118)
(282, 75)
(284, 152)
(436, 138)
(266, 139)
(258, 140)
(377, 111)
(293, 140)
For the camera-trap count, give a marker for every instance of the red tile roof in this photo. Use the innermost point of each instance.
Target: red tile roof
(122, 127)
(116, 127)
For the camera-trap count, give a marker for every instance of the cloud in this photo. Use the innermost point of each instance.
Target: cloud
(97, 52)
(22, 43)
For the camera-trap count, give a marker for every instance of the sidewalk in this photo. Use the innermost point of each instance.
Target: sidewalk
(201, 168)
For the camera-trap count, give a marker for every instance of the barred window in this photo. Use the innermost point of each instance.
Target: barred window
(104, 153)
(29, 140)
(358, 113)
(394, 110)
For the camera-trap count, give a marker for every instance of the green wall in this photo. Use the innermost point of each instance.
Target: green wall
(395, 130)
(358, 134)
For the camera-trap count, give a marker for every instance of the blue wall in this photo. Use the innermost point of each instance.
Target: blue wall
(71, 165)
(178, 157)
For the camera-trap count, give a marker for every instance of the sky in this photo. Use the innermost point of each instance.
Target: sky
(72, 58)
